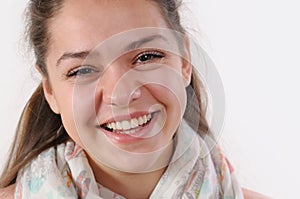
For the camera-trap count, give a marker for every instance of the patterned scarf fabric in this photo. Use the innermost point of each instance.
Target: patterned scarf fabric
(198, 169)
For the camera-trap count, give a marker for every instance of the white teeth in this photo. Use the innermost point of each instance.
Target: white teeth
(119, 126)
(141, 121)
(109, 125)
(127, 125)
(113, 125)
(134, 123)
(145, 119)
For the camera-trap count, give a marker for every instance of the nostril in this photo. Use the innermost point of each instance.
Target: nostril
(121, 97)
(120, 91)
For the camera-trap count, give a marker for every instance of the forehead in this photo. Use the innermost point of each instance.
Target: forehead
(108, 16)
(83, 24)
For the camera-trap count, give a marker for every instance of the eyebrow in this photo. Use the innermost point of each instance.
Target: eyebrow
(131, 46)
(139, 43)
(72, 55)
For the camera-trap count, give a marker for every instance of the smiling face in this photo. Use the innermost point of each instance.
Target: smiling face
(118, 84)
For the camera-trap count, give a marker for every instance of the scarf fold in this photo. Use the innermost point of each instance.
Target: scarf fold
(198, 169)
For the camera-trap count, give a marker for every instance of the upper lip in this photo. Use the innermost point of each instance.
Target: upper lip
(125, 117)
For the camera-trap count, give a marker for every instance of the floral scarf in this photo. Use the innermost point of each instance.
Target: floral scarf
(201, 171)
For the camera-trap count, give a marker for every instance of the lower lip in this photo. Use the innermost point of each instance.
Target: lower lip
(128, 138)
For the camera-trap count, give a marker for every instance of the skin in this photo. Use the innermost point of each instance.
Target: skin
(84, 20)
(80, 26)
(8, 192)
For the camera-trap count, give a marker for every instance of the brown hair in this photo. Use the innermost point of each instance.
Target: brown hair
(39, 128)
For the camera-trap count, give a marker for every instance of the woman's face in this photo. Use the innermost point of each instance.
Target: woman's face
(116, 77)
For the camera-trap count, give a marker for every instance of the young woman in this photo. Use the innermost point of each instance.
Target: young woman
(119, 112)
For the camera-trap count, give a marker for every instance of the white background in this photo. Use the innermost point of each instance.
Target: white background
(255, 45)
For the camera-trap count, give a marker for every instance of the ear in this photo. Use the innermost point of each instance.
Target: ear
(186, 62)
(49, 95)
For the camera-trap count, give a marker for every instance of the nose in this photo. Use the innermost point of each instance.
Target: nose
(118, 87)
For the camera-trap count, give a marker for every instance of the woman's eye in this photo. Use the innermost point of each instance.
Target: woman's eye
(148, 56)
(81, 71)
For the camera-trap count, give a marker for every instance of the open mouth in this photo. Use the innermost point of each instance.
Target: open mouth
(128, 126)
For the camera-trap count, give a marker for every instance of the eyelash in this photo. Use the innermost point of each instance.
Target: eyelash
(84, 70)
(81, 70)
(150, 54)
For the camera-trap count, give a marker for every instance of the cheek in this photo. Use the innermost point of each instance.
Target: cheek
(173, 101)
(76, 108)
(166, 83)
(71, 127)
(67, 114)
(169, 89)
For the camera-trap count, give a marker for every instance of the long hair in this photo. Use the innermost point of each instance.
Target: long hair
(39, 128)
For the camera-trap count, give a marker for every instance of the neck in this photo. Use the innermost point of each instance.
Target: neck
(127, 184)
(132, 185)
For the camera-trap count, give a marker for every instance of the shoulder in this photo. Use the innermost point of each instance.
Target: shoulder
(248, 194)
(7, 192)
